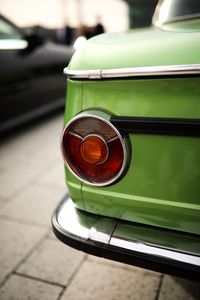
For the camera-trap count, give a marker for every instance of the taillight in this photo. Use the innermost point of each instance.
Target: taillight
(93, 148)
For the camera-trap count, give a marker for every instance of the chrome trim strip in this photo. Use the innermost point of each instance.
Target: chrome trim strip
(155, 251)
(76, 227)
(76, 135)
(189, 69)
(79, 74)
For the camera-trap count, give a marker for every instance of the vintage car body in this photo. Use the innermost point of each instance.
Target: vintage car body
(145, 85)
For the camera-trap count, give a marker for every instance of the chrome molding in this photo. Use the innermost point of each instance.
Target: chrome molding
(170, 70)
(81, 74)
(155, 251)
(92, 233)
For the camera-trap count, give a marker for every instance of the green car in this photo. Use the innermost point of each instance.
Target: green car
(131, 145)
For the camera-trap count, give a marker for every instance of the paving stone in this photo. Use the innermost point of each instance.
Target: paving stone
(10, 157)
(15, 179)
(34, 204)
(1, 204)
(52, 261)
(20, 288)
(47, 141)
(115, 264)
(3, 201)
(51, 236)
(95, 281)
(16, 240)
(174, 288)
(17, 172)
(39, 146)
(48, 154)
(54, 178)
(40, 134)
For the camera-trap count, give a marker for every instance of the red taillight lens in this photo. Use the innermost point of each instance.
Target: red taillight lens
(93, 149)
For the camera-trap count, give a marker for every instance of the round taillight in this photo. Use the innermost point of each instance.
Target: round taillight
(93, 149)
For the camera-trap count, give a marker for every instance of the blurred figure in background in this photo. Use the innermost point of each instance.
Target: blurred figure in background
(99, 28)
(65, 35)
(69, 35)
(89, 32)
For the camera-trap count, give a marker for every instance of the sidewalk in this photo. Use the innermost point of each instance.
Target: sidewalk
(33, 263)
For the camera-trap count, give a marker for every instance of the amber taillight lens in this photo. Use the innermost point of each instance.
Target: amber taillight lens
(93, 149)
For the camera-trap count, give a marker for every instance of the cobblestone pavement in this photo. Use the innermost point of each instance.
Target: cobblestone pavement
(33, 263)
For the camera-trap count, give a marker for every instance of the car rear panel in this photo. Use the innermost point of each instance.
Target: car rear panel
(161, 186)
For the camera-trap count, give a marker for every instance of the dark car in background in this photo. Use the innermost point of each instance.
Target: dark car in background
(31, 80)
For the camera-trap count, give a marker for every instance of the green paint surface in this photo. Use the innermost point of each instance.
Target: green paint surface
(162, 185)
(178, 44)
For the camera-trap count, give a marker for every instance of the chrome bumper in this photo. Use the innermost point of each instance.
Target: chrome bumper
(131, 243)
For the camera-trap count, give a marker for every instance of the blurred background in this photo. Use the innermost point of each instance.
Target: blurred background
(37, 40)
(115, 15)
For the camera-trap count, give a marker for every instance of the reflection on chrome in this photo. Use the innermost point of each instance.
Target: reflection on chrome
(155, 251)
(108, 233)
(134, 72)
(168, 11)
(69, 221)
